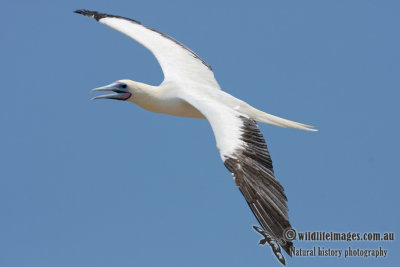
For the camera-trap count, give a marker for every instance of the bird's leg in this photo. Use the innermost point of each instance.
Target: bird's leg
(276, 249)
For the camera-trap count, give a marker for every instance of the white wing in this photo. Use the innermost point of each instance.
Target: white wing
(179, 63)
(244, 152)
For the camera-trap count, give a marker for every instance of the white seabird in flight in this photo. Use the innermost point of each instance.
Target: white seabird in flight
(190, 90)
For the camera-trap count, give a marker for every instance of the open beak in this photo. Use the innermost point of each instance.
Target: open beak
(120, 93)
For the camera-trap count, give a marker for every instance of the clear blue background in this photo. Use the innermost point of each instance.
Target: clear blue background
(104, 183)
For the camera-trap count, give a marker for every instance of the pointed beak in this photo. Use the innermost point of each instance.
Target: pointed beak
(120, 90)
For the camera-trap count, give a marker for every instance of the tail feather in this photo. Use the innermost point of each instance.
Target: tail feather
(263, 117)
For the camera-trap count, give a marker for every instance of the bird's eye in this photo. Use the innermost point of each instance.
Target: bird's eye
(123, 85)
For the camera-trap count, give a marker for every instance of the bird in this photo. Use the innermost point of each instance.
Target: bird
(189, 89)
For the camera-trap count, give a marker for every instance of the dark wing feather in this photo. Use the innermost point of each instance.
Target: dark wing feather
(251, 167)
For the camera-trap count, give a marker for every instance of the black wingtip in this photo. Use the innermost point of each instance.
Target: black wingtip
(91, 14)
(98, 15)
(289, 248)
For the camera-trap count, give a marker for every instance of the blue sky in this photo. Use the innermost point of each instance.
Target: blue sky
(104, 183)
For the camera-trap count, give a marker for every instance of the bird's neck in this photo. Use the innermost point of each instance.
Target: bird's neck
(162, 99)
(149, 97)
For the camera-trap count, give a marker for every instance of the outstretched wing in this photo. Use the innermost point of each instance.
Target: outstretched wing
(179, 63)
(244, 152)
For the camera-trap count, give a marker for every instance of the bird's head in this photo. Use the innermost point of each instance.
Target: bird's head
(123, 90)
